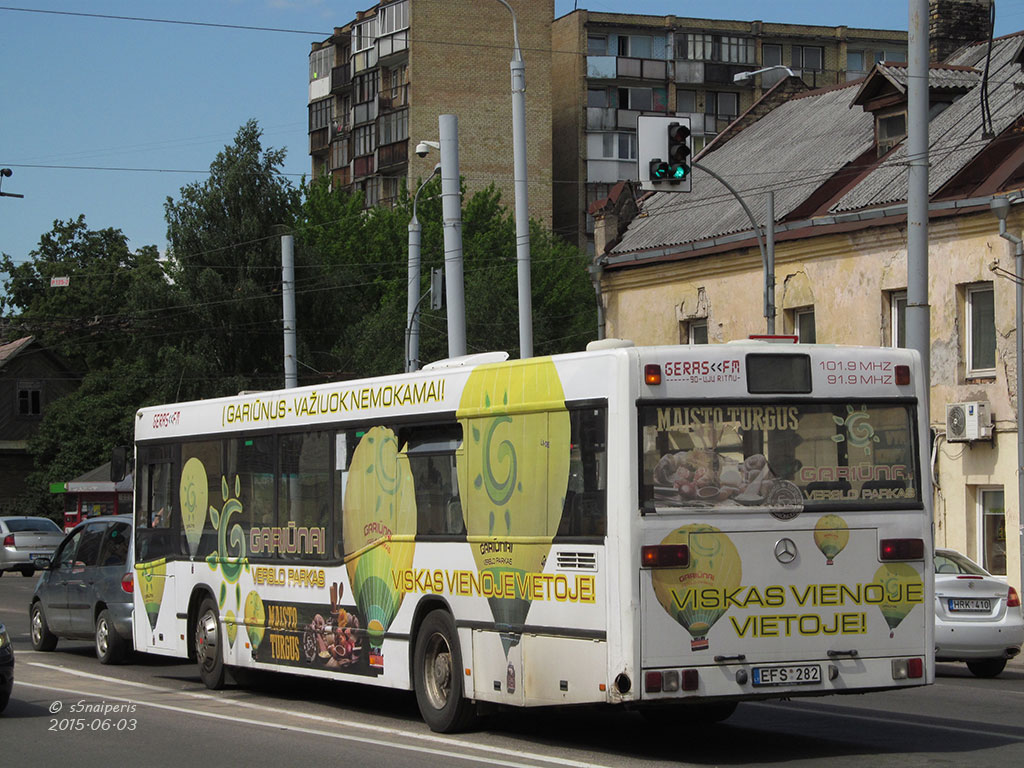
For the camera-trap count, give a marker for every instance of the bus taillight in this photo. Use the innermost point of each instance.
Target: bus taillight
(652, 374)
(665, 556)
(902, 374)
(901, 549)
(904, 669)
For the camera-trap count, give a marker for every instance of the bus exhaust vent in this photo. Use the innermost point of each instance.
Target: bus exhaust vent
(576, 561)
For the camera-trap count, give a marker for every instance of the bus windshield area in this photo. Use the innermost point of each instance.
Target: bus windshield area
(851, 455)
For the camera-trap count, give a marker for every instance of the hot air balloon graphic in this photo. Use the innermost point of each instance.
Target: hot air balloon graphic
(831, 535)
(380, 503)
(194, 494)
(903, 590)
(513, 475)
(152, 577)
(714, 569)
(255, 619)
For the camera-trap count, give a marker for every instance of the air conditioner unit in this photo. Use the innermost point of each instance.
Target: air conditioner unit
(968, 421)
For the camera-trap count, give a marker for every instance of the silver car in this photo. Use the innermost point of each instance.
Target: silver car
(978, 617)
(24, 539)
(86, 591)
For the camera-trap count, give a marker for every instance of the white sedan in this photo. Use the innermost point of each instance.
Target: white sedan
(978, 617)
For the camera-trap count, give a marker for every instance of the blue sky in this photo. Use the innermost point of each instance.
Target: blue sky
(79, 94)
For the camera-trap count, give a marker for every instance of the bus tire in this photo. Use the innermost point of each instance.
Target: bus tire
(437, 674)
(209, 655)
(110, 646)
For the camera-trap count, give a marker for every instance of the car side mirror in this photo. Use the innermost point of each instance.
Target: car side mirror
(43, 563)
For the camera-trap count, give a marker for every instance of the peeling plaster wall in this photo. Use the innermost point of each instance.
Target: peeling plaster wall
(847, 278)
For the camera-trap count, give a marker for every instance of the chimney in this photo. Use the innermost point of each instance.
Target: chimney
(953, 24)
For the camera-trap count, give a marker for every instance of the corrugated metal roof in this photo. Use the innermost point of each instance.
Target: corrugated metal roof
(955, 135)
(939, 76)
(791, 151)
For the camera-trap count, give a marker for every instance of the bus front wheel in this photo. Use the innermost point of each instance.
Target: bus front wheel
(208, 646)
(437, 670)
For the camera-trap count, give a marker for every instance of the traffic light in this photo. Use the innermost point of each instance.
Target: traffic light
(677, 168)
(659, 169)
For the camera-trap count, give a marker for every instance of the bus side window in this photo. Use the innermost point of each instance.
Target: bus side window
(585, 510)
(155, 508)
(432, 459)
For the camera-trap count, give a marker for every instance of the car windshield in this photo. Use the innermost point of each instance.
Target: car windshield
(954, 562)
(32, 524)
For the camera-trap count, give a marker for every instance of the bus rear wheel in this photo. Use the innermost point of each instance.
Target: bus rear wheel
(437, 670)
(209, 655)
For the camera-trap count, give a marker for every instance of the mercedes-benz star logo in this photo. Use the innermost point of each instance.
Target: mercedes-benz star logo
(785, 551)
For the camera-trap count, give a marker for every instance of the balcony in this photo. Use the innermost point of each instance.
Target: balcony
(394, 98)
(610, 67)
(363, 166)
(396, 153)
(319, 140)
(341, 78)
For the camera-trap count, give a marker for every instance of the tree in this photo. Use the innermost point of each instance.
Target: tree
(224, 237)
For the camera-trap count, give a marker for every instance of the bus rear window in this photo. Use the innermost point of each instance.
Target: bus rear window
(780, 455)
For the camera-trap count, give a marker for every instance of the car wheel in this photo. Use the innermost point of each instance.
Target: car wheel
(111, 648)
(208, 646)
(42, 638)
(28, 572)
(986, 667)
(438, 678)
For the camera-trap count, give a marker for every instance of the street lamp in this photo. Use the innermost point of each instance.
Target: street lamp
(742, 77)
(522, 211)
(412, 324)
(1000, 206)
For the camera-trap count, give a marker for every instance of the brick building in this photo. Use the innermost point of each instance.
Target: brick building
(379, 83)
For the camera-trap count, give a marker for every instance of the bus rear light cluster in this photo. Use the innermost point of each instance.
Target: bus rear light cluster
(901, 549)
(652, 374)
(902, 374)
(907, 669)
(671, 680)
(665, 556)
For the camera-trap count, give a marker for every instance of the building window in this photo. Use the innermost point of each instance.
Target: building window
(803, 325)
(320, 63)
(722, 105)
(30, 398)
(981, 330)
(771, 55)
(320, 114)
(621, 146)
(697, 331)
(597, 45)
(695, 47)
(855, 61)
(810, 57)
(898, 319)
(636, 98)
(394, 127)
(339, 154)
(637, 46)
(362, 140)
(891, 130)
(733, 50)
(364, 35)
(597, 97)
(895, 55)
(371, 191)
(992, 528)
(392, 18)
(364, 87)
(686, 101)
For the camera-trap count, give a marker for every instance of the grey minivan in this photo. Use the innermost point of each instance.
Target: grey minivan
(86, 590)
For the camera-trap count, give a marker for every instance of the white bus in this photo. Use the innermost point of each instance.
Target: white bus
(675, 529)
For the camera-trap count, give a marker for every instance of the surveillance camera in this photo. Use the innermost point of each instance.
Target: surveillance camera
(422, 149)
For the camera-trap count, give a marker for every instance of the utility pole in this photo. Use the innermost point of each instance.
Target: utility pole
(451, 207)
(291, 369)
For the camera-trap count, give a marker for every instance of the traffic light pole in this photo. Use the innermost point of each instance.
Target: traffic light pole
(767, 255)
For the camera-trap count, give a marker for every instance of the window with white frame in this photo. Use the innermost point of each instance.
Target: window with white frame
(810, 57)
(636, 98)
(320, 63)
(697, 331)
(895, 55)
(364, 34)
(621, 146)
(981, 330)
(992, 530)
(394, 126)
(898, 319)
(803, 325)
(695, 46)
(392, 18)
(636, 46)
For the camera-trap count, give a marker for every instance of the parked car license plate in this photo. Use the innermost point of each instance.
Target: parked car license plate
(973, 604)
(794, 674)
(34, 555)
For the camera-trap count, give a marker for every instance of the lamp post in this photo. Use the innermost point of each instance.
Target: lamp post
(522, 210)
(412, 323)
(1001, 208)
(742, 77)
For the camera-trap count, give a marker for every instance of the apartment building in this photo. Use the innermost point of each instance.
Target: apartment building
(379, 83)
(610, 68)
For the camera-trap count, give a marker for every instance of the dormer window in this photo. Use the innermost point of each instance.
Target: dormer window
(890, 130)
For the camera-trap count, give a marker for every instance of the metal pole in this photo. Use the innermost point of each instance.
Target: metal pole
(769, 311)
(769, 264)
(518, 68)
(918, 319)
(412, 320)
(451, 205)
(291, 372)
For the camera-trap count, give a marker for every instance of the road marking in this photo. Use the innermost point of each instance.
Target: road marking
(333, 721)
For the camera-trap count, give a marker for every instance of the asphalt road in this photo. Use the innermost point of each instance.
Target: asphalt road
(68, 707)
